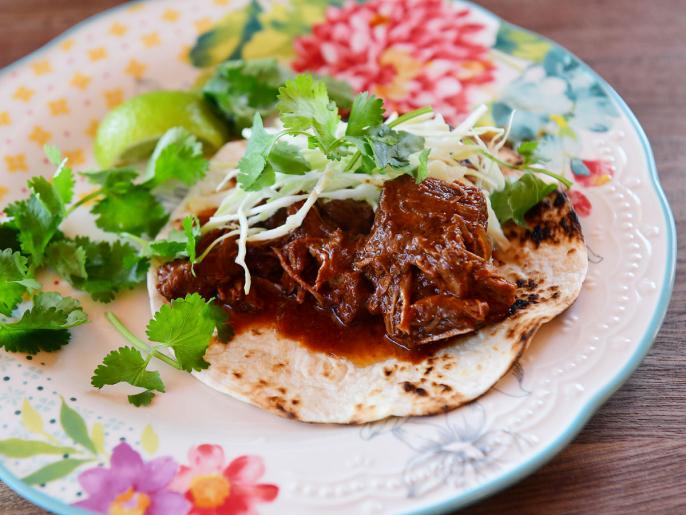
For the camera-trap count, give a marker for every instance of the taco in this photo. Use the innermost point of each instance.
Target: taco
(394, 276)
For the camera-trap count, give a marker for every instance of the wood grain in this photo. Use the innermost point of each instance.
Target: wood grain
(631, 455)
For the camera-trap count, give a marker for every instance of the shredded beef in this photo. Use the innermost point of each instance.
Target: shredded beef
(422, 263)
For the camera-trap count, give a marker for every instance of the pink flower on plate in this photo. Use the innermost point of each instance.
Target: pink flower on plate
(132, 487)
(411, 53)
(215, 488)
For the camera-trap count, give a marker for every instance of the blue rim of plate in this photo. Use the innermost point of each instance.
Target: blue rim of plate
(542, 456)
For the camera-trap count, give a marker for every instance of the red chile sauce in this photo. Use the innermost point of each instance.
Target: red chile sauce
(363, 342)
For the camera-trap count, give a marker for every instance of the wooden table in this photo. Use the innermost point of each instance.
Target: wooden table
(632, 455)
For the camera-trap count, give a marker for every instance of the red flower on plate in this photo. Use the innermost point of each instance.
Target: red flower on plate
(580, 202)
(411, 53)
(215, 488)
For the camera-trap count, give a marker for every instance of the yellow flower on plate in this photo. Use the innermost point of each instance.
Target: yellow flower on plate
(97, 54)
(23, 93)
(5, 118)
(67, 44)
(114, 97)
(203, 24)
(136, 69)
(92, 128)
(81, 81)
(3, 192)
(75, 157)
(117, 29)
(222, 2)
(16, 163)
(41, 67)
(184, 55)
(59, 106)
(40, 135)
(170, 15)
(151, 40)
(269, 43)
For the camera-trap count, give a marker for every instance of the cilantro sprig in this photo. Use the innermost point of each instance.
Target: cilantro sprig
(240, 89)
(15, 280)
(178, 244)
(123, 204)
(369, 144)
(44, 326)
(518, 197)
(185, 326)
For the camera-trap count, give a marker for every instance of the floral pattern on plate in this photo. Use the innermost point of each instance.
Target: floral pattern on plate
(58, 95)
(207, 485)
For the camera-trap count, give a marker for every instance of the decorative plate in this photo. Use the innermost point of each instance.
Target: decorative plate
(89, 449)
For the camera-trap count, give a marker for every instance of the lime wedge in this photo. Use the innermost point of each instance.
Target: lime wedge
(130, 131)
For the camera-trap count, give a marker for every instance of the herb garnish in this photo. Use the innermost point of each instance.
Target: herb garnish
(184, 326)
(241, 89)
(369, 144)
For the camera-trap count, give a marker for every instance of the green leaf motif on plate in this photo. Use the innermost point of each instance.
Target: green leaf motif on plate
(149, 440)
(75, 427)
(98, 437)
(20, 448)
(521, 43)
(53, 471)
(253, 32)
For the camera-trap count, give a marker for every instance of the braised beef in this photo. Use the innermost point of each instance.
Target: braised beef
(428, 257)
(421, 264)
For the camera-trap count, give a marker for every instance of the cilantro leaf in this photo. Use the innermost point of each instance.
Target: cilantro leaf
(240, 89)
(112, 179)
(43, 327)
(132, 209)
(109, 267)
(170, 248)
(125, 206)
(221, 321)
(141, 399)
(186, 325)
(367, 111)
(339, 91)
(67, 259)
(303, 104)
(422, 170)
(392, 148)
(63, 179)
(191, 229)
(527, 149)
(15, 280)
(127, 365)
(178, 155)
(253, 163)
(177, 244)
(53, 154)
(518, 197)
(37, 218)
(287, 158)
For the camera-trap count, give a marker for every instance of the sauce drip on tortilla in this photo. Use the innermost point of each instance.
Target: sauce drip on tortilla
(363, 342)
